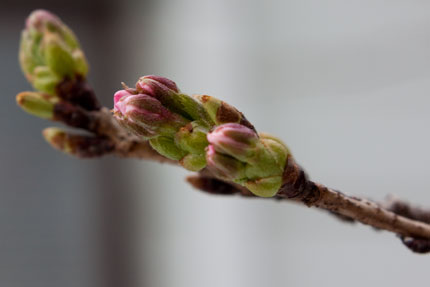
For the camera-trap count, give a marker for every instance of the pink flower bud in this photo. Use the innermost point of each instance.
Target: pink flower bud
(157, 87)
(224, 166)
(145, 115)
(169, 95)
(233, 139)
(117, 97)
(39, 18)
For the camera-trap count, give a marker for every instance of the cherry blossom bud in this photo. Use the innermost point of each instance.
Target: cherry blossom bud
(169, 95)
(145, 115)
(50, 52)
(221, 113)
(237, 153)
(225, 166)
(156, 86)
(235, 140)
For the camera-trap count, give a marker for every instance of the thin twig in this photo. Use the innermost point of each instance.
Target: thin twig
(410, 223)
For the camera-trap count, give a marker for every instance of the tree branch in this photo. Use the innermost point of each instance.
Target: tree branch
(409, 222)
(412, 224)
(198, 131)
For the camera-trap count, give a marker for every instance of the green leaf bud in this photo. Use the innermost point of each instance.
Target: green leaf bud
(35, 103)
(49, 52)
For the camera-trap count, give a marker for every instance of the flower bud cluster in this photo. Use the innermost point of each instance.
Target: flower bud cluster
(174, 123)
(201, 131)
(53, 62)
(238, 154)
(50, 52)
(198, 131)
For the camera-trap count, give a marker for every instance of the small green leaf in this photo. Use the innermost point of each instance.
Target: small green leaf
(58, 58)
(265, 187)
(193, 162)
(45, 80)
(167, 147)
(192, 138)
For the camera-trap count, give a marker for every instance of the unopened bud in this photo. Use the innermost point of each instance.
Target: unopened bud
(49, 52)
(156, 86)
(35, 103)
(169, 95)
(57, 138)
(235, 140)
(225, 166)
(258, 162)
(145, 115)
(221, 113)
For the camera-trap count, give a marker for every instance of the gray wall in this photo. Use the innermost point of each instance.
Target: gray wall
(346, 84)
(63, 222)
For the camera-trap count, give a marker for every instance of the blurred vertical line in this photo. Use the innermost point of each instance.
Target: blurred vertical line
(117, 210)
(97, 24)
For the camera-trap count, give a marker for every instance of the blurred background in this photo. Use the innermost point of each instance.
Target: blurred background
(345, 84)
